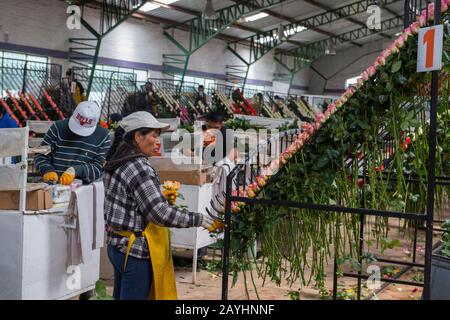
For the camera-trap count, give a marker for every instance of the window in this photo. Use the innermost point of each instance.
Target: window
(12, 67)
(197, 81)
(251, 90)
(141, 75)
(22, 56)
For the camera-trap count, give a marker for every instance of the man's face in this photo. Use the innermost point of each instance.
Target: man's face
(149, 87)
(215, 125)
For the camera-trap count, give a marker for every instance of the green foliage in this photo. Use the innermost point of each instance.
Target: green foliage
(100, 292)
(446, 239)
(326, 171)
(239, 123)
(294, 295)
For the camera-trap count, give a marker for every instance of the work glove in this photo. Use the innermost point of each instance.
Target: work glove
(217, 225)
(207, 222)
(50, 177)
(67, 177)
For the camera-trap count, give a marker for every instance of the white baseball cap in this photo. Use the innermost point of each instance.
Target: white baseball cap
(141, 119)
(84, 119)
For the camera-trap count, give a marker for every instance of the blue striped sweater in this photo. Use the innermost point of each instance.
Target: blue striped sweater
(85, 154)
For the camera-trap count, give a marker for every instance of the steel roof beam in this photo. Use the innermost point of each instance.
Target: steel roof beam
(263, 42)
(353, 20)
(317, 49)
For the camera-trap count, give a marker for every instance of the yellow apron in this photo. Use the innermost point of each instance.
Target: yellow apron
(163, 280)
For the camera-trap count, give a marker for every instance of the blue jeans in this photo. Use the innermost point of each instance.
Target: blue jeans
(134, 282)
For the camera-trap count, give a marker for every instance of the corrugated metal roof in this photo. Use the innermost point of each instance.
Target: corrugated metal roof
(292, 9)
(170, 14)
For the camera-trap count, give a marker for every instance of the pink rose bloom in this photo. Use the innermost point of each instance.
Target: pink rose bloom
(422, 20)
(400, 42)
(371, 71)
(408, 31)
(320, 117)
(405, 36)
(385, 53)
(304, 136)
(381, 61)
(309, 128)
(376, 64)
(365, 75)
(392, 48)
(332, 107)
(431, 10)
(444, 5)
(298, 143)
(349, 92)
(415, 27)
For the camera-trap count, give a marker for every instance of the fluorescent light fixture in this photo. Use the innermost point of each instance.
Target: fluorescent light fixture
(265, 39)
(292, 31)
(256, 16)
(216, 29)
(149, 6)
(284, 34)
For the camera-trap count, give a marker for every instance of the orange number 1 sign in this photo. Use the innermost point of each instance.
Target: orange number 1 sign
(428, 41)
(429, 53)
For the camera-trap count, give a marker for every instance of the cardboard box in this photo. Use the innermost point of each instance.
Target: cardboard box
(193, 178)
(36, 199)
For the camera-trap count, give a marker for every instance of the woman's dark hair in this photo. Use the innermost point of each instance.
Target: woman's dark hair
(120, 136)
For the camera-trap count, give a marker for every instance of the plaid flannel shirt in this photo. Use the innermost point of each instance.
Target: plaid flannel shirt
(133, 198)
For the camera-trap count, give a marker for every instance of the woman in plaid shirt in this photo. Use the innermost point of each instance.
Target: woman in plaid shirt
(133, 199)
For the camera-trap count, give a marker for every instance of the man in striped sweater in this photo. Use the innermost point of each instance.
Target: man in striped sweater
(78, 147)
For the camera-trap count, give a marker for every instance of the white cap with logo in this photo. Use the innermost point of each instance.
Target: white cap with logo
(84, 119)
(141, 119)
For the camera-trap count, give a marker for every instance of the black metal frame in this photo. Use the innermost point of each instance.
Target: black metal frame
(428, 218)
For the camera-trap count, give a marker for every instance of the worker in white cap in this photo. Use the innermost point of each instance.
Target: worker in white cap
(137, 214)
(78, 147)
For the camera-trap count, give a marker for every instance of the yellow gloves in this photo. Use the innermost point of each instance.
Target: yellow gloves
(67, 177)
(50, 177)
(217, 225)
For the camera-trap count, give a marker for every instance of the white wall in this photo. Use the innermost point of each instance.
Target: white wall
(42, 24)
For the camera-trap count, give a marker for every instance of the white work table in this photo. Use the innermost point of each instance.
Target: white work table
(33, 258)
